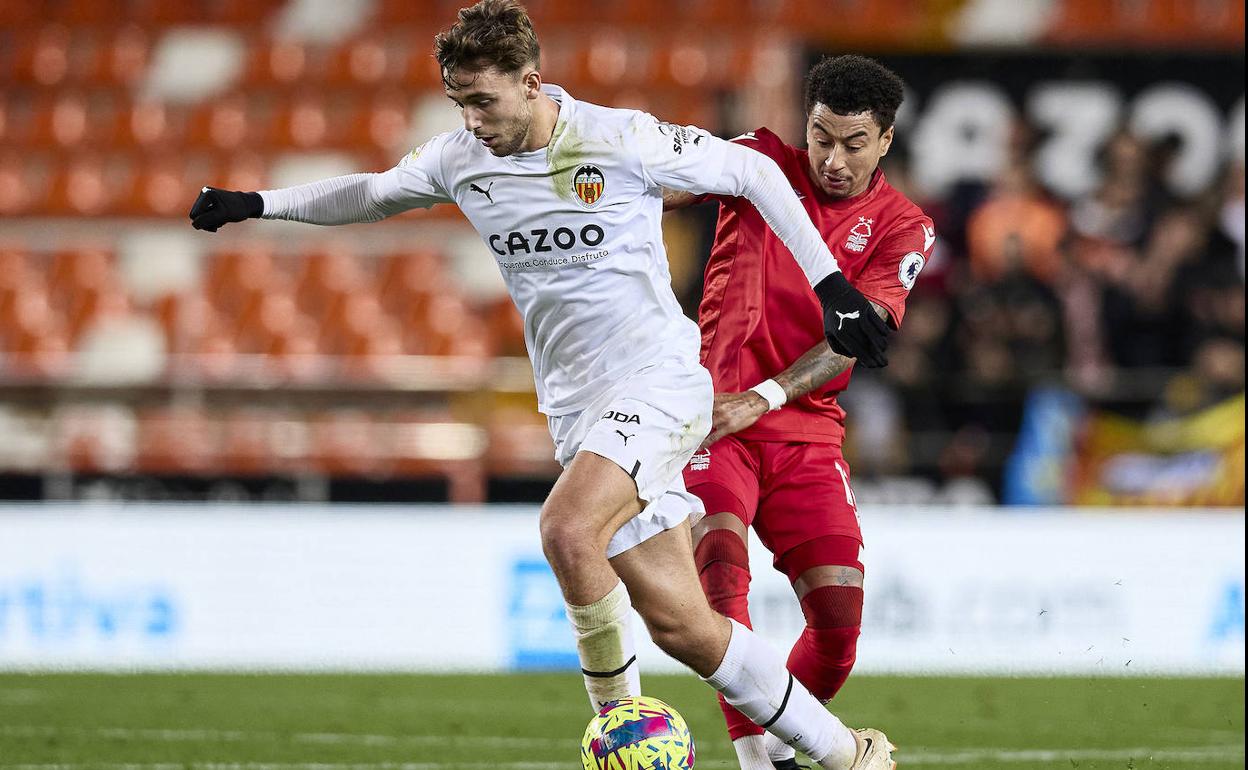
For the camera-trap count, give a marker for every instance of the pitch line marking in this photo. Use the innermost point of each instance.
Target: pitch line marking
(1195, 754)
(195, 735)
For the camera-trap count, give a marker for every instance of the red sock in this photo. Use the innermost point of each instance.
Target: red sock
(824, 654)
(724, 569)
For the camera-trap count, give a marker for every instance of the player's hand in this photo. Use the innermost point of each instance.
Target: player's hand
(734, 412)
(214, 208)
(850, 323)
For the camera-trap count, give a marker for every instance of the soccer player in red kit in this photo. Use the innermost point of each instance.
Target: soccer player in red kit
(773, 459)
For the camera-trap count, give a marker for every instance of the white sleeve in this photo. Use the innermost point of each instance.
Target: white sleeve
(679, 157)
(756, 177)
(690, 159)
(414, 183)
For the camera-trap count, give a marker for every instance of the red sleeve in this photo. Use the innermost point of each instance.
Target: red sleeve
(895, 265)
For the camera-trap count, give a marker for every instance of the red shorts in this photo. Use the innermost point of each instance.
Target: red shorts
(791, 493)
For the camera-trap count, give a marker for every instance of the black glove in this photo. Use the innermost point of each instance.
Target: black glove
(214, 208)
(852, 326)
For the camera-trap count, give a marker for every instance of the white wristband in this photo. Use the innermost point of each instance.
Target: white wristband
(772, 393)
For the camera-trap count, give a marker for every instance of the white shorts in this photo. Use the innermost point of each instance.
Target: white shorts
(649, 425)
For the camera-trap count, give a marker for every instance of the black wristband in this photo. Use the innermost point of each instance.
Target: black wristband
(835, 285)
(255, 204)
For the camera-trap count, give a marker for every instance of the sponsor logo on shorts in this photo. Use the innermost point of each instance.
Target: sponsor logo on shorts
(700, 460)
(625, 436)
(623, 417)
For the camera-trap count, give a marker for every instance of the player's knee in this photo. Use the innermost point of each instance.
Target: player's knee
(833, 606)
(723, 568)
(715, 522)
(565, 540)
(679, 636)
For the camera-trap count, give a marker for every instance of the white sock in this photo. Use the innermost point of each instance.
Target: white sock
(604, 641)
(752, 753)
(752, 677)
(777, 750)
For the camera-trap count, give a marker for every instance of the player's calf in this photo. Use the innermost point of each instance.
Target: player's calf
(827, 576)
(606, 648)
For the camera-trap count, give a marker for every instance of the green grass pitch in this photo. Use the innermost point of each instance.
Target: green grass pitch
(534, 721)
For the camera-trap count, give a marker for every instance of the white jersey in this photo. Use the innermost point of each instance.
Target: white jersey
(576, 230)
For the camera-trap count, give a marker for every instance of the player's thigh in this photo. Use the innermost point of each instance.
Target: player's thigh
(662, 582)
(590, 500)
(808, 515)
(725, 478)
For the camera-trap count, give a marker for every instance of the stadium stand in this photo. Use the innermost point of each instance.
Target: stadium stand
(254, 353)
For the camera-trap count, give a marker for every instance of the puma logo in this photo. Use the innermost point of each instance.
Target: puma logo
(486, 192)
(625, 436)
(851, 316)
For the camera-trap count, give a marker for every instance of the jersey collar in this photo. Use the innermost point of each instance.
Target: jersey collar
(567, 107)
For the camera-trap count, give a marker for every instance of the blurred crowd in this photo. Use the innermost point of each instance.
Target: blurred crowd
(1131, 297)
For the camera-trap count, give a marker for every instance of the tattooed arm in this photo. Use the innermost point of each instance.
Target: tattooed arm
(735, 412)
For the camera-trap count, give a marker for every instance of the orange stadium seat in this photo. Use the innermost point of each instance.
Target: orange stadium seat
(24, 304)
(42, 58)
(409, 278)
(343, 442)
(274, 63)
(176, 440)
(241, 13)
(73, 270)
(60, 121)
(165, 13)
(150, 126)
(162, 185)
(229, 124)
(304, 122)
(245, 448)
(214, 355)
(24, 184)
(420, 70)
(92, 305)
(294, 355)
(323, 276)
(186, 318)
(366, 62)
(80, 12)
(91, 185)
(21, 14)
(233, 275)
(41, 353)
(382, 122)
(519, 444)
(241, 171)
(93, 438)
(506, 328)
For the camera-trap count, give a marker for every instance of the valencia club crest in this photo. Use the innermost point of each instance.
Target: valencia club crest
(588, 182)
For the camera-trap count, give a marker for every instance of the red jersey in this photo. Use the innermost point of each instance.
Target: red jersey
(758, 313)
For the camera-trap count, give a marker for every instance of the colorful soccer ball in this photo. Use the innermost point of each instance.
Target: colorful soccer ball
(637, 734)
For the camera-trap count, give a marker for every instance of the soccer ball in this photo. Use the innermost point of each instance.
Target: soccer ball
(637, 734)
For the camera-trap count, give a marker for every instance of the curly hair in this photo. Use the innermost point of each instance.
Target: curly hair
(494, 33)
(851, 84)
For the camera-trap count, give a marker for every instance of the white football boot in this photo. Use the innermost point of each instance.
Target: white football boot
(874, 751)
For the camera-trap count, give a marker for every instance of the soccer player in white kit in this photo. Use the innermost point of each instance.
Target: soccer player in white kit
(567, 195)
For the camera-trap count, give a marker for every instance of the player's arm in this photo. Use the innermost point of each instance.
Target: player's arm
(414, 183)
(679, 199)
(818, 366)
(689, 159)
